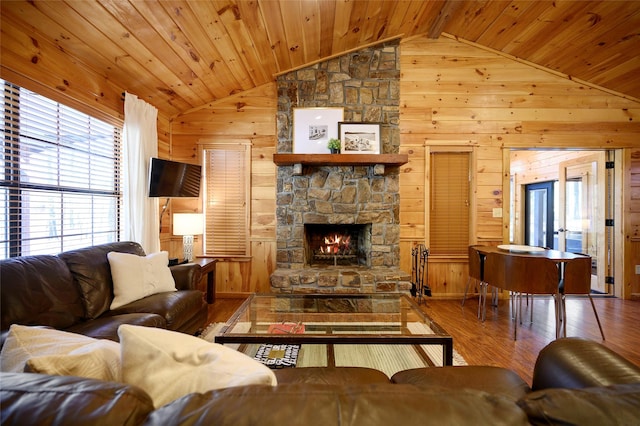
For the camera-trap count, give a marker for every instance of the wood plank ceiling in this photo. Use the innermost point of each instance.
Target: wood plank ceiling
(182, 54)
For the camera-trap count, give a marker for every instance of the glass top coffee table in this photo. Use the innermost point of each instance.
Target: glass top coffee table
(349, 319)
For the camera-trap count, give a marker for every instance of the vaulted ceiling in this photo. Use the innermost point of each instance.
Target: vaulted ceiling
(182, 54)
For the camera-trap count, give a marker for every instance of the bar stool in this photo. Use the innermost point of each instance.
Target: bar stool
(524, 275)
(476, 273)
(577, 280)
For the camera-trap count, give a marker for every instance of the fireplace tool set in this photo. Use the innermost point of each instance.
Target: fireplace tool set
(419, 273)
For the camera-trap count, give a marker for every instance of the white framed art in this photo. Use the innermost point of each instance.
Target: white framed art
(313, 127)
(359, 138)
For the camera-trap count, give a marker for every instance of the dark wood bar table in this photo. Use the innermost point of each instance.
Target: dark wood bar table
(529, 251)
(522, 252)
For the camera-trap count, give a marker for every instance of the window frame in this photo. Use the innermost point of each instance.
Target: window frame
(22, 181)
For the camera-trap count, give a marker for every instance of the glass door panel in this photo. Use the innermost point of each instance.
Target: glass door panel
(539, 214)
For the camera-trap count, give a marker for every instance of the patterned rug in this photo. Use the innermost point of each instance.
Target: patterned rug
(386, 358)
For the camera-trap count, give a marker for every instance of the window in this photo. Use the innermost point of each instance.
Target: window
(449, 203)
(226, 169)
(60, 188)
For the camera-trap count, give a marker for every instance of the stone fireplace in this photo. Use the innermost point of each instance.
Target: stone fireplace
(324, 204)
(358, 202)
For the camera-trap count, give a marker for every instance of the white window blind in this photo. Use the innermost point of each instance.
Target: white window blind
(449, 212)
(60, 188)
(227, 200)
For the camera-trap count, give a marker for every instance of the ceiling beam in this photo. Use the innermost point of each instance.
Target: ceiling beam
(448, 9)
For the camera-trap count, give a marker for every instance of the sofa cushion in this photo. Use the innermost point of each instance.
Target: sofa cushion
(38, 290)
(36, 399)
(494, 380)
(49, 351)
(168, 365)
(308, 404)
(330, 375)
(106, 327)
(135, 277)
(612, 405)
(92, 273)
(176, 307)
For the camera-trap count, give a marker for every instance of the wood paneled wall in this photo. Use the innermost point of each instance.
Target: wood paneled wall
(246, 117)
(631, 212)
(461, 95)
(452, 92)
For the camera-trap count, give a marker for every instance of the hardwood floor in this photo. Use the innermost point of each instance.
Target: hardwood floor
(491, 342)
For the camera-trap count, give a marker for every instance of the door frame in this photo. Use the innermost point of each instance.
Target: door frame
(616, 253)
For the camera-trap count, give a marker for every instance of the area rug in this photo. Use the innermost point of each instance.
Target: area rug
(387, 358)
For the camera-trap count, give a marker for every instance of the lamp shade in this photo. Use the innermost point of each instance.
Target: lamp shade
(188, 223)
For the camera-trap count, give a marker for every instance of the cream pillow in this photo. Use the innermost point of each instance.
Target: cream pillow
(167, 364)
(135, 277)
(50, 351)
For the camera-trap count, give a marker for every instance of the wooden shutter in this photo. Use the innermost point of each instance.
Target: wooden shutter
(227, 200)
(449, 212)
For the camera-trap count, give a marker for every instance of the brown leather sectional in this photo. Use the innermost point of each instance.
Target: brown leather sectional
(575, 381)
(73, 292)
(601, 388)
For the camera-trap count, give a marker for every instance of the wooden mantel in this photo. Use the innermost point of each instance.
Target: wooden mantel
(340, 159)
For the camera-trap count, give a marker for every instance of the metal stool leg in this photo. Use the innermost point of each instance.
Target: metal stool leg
(597, 317)
(466, 290)
(482, 301)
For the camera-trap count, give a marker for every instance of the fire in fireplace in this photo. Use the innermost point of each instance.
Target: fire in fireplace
(329, 244)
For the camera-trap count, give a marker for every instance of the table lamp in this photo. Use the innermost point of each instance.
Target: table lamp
(188, 225)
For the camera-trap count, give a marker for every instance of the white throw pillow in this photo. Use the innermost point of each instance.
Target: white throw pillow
(50, 351)
(135, 277)
(167, 364)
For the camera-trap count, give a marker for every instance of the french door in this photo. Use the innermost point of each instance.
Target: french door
(574, 205)
(582, 218)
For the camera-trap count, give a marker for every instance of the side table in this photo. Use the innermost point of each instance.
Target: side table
(208, 266)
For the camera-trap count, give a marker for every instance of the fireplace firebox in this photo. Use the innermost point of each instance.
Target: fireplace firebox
(337, 245)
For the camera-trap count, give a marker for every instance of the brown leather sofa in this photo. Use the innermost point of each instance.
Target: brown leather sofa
(576, 382)
(73, 292)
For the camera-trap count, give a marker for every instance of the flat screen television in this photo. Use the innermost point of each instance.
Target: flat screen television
(173, 179)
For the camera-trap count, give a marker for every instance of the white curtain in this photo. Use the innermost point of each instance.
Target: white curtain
(140, 220)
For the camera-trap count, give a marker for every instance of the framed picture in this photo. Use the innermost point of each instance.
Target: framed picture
(359, 138)
(313, 127)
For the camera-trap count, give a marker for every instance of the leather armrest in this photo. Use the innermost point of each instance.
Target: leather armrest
(577, 363)
(186, 276)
